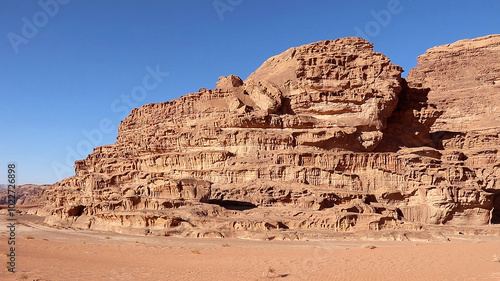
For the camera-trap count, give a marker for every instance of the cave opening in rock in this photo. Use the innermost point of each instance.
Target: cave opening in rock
(495, 216)
(233, 205)
(76, 211)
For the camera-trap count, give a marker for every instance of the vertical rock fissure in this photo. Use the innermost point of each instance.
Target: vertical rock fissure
(495, 212)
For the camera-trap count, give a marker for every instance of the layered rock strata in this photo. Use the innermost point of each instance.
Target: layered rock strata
(326, 136)
(465, 82)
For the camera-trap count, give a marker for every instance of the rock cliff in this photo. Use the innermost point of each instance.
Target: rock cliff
(323, 137)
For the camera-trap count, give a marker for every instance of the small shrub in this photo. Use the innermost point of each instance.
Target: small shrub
(30, 237)
(24, 276)
(195, 251)
(270, 270)
(225, 245)
(106, 237)
(496, 258)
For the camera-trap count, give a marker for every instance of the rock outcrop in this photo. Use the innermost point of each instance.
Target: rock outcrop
(326, 136)
(26, 194)
(465, 82)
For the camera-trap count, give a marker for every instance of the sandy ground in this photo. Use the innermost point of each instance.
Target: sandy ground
(45, 253)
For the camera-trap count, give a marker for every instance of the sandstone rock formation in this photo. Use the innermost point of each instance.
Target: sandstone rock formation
(465, 82)
(26, 194)
(326, 136)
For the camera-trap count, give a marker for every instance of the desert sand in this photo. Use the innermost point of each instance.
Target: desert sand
(45, 253)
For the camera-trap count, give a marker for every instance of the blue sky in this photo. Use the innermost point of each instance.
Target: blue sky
(71, 70)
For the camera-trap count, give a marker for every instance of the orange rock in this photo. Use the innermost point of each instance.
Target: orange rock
(323, 136)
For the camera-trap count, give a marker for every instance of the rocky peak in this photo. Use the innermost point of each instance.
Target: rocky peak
(229, 82)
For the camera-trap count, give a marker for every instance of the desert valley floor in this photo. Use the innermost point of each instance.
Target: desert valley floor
(46, 253)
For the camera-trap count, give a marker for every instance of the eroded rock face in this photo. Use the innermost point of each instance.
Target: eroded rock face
(465, 82)
(343, 86)
(464, 78)
(322, 136)
(26, 194)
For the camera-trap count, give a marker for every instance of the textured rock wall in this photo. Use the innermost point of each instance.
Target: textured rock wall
(323, 136)
(26, 194)
(465, 82)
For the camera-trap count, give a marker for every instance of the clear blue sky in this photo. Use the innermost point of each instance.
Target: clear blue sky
(67, 67)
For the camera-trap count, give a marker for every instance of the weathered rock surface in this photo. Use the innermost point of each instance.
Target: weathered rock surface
(326, 136)
(465, 82)
(26, 194)
(464, 78)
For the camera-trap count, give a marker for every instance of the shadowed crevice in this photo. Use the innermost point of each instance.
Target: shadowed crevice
(495, 215)
(233, 205)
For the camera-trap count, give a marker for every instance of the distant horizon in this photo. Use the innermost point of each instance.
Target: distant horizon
(3, 186)
(73, 70)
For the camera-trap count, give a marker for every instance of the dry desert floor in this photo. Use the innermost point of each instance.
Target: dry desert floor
(45, 253)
